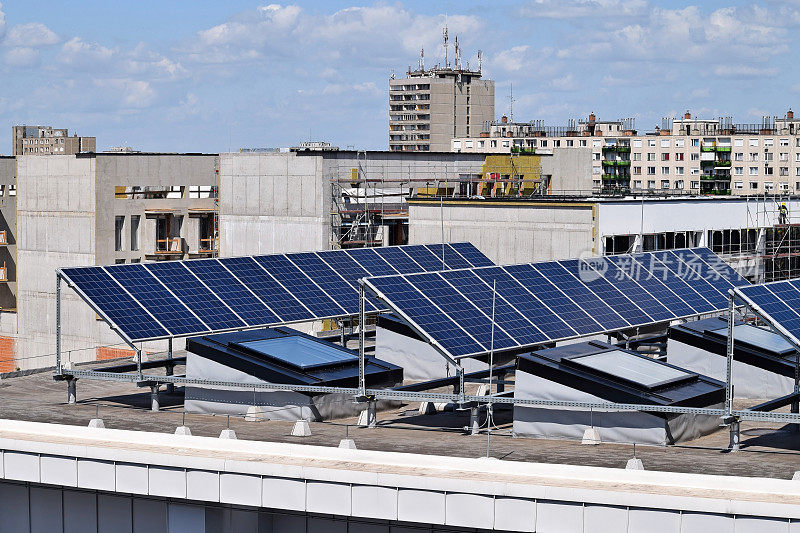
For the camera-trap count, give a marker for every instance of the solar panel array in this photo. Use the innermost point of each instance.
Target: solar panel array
(545, 302)
(178, 298)
(779, 302)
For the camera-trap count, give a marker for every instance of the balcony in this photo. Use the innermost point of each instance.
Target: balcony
(209, 245)
(725, 163)
(170, 246)
(3, 238)
(709, 148)
(723, 148)
(3, 273)
(618, 149)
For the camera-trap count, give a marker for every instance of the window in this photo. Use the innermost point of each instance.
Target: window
(597, 170)
(665, 143)
(665, 184)
(638, 170)
(695, 185)
(665, 171)
(768, 156)
(570, 142)
(738, 156)
(768, 171)
(754, 171)
(637, 143)
(738, 142)
(119, 224)
(784, 142)
(769, 142)
(694, 157)
(679, 184)
(753, 185)
(651, 156)
(637, 156)
(768, 186)
(679, 143)
(783, 171)
(679, 156)
(651, 184)
(582, 142)
(597, 143)
(753, 156)
(12, 190)
(637, 184)
(651, 171)
(665, 156)
(679, 171)
(205, 191)
(695, 171)
(753, 142)
(651, 142)
(738, 171)
(695, 142)
(596, 156)
(738, 185)
(783, 186)
(134, 232)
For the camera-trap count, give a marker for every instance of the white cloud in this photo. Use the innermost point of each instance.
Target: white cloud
(745, 71)
(569, 9)
(2, 22)
(21, 57)
(700, 93)
(81, 54)
(564, 83)
(130, 93)
(32, 35)
(511, 60)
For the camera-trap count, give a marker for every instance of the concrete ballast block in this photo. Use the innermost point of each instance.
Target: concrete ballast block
(254, 413)
(96, 423)
(228, 434)
(427, 408)
(634, 464)
(183, 430)
(796, 476)
(301, 429)
(348, 444)
(591, 436)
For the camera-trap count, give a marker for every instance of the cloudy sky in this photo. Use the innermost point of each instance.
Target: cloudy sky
(181, 75)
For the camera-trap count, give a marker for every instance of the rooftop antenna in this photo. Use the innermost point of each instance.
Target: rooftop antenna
(457, 60)
(445, 37)
(480, 60)
(422, 59)
(511, 103)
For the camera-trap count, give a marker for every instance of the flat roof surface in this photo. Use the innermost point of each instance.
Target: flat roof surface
(768, 450)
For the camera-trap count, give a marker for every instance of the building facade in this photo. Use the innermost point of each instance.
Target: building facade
(430, 107)
(46, 140)
(686, 156)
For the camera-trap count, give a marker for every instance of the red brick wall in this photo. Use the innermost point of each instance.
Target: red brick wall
(7, 354)
(104, 353)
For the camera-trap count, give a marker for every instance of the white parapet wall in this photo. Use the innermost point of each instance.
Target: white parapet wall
(413, 488)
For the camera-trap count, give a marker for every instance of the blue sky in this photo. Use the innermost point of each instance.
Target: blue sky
(209, 76)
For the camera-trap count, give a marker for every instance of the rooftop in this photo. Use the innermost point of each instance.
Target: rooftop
(768, 450)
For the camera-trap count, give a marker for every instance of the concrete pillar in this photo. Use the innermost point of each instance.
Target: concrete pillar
(72, 395)
(369, 416)
(154, 403)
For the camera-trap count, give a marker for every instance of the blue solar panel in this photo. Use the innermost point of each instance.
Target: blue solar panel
(400, 260)
(190, 297)
(769, 299)
(329, 281)
(471, 254)
(421, 311)
(235, 294)
(195, 295)
(369, 259)
(255, 278)
(722, 269)
(452, 259)
(580, 294)
(657, 270)
(525, 331)
(288, 275)
(172, 314)
(569, 311)
(115, 303)
(545, 302)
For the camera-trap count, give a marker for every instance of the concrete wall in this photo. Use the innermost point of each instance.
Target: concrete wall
(150, 170)
(56, 228)
(273, 203)
(507, 232)
(8, 223)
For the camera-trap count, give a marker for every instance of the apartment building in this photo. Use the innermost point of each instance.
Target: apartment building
(91, 209)
(430, 107)
(46, 140)
(684, 156)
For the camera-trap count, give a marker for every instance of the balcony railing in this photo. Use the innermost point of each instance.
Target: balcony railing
(723, 148)
(3, 273)
(169, 246)
(208, 246)
(3, 238)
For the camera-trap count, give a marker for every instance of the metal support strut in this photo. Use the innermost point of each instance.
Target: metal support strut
(170, 369)
(362, 382)
(58, 324)
(72, 395)
(729, 419)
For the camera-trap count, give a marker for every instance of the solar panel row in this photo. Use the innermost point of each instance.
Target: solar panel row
(779, 301)
(175, 298)
(545, 302)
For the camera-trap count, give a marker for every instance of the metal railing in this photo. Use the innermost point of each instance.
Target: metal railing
(169, 246)
(208, 245)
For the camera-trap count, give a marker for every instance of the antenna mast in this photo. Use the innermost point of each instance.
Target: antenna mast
(511, 105)
(444, 35)
(457, 61)
(422, 59)
(480, 60)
